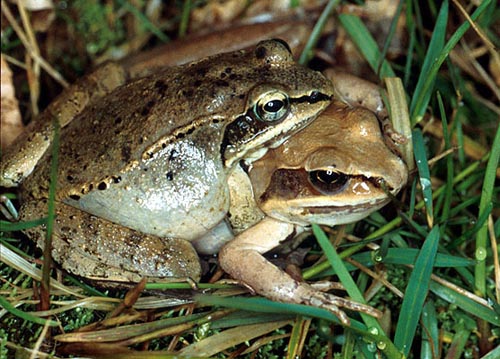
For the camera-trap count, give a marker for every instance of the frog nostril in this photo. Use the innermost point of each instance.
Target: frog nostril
(314, 96)
(317, 96)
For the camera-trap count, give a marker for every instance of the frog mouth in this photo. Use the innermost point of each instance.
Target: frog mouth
(354, 208)
(327, 214)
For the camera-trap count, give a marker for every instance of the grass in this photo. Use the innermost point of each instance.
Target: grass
(433, 250)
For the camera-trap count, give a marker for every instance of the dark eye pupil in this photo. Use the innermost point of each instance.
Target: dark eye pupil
(328, 182)
(327, 176)
(273, 106)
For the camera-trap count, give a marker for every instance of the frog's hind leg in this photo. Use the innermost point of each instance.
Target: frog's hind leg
(104, 251)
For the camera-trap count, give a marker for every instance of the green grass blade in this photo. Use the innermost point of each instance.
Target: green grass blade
(430, 334)
(466, 303)
(418, 105)
(4, 303)
(484, 205)
(307, 53)
(412, 39)
(405, 256)
(366, 44)
(242, 317)
(425, 83)
(400, 256)
(482, 222)
(264, 305)
(268, 306)
(457, 346)
(343, 274)
(424, 174)
(19, 226)
(416, 293)
(348, 349)
(144, 20)
(186, 11)
(449, 162)
(295, 344)
(494, 354)
(391, 33)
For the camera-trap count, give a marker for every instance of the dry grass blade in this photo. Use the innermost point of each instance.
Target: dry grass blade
(33, 53)
(229, 338)
(32, 68)
(496, 263)
(300, 330)
(400, 117)
(14, 260)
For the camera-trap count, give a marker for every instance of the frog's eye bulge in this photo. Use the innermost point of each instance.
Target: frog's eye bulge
(273, 52)
(272, 106)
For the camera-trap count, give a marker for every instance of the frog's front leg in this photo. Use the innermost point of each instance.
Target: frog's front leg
(242, 259)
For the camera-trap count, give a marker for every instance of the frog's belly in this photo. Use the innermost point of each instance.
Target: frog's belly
(180, 193)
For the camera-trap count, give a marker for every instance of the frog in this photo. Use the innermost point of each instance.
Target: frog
(143, 170)
(337, 170)
(19, 159)
(150, 254)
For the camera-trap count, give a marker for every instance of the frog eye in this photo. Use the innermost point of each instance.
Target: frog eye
(272, 106)
(328, 181)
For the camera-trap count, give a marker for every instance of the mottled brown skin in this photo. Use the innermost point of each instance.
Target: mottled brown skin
(103, 250)
(167, 106)
(351, 146)
(153, 158)
(331, 172)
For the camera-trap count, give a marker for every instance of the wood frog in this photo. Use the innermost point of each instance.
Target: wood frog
(337, 170)
(144, 170)
(95, 248)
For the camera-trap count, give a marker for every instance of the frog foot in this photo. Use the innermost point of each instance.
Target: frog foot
(325, 286)
(308, 295)
(242, 259)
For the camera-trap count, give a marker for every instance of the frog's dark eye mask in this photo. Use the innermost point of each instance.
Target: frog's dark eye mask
(268, 110)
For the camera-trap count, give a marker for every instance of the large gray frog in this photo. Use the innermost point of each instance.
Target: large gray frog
(144, 170)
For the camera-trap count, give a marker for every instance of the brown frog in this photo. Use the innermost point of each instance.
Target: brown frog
(337, 170)
(143, 170)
